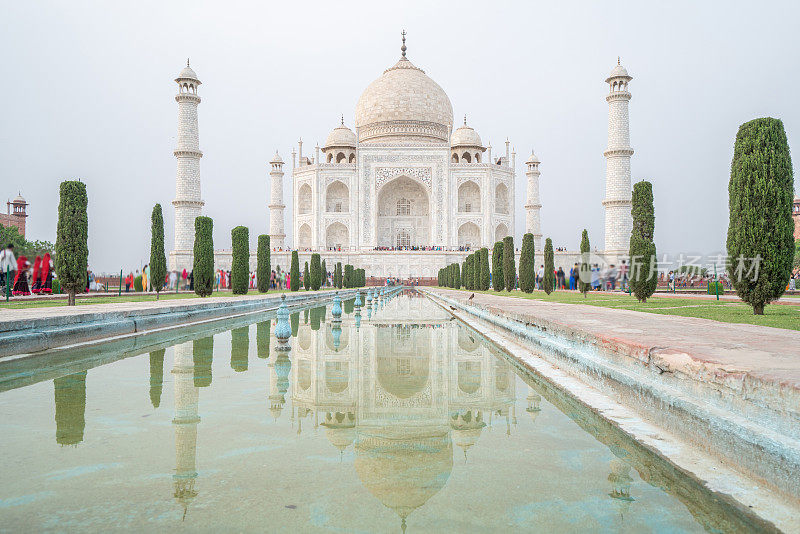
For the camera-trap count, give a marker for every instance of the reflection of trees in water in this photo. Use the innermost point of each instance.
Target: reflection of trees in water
(295, 320)
(203, 355)
(348, 306)
(156, 376)
(70, 398)
(262, 339)
(317, 315)
(240, 345)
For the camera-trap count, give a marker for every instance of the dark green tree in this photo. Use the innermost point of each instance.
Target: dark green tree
(468, 276)
(549, 281)
(457, 276)
(337, 275)
(498, 281)
(240, 262)
(484, 276)
(324, 273)
(464, 274)
(72, 234)
(263, 269)
(760, 230)
(585, 278)
(509, 267)
(203, 357)
(643, 274)
(240, 347)
(158, 259)
(203, 269)
(527, 264)
(316, 272)
(294, 272)
(306, 278)
(347, 281)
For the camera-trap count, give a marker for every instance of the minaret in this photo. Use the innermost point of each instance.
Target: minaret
(185, 423)
(276, 206)
(188, 203)
(617, 203)
(533, 223)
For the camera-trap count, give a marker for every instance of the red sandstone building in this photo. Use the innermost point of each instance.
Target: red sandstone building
(16, 214)
(796, 216)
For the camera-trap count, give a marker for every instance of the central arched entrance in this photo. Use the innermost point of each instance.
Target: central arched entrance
(403, 214)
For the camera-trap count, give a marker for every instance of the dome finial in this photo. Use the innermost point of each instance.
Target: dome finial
(342, 119)
(187, 61)
(403, 48)
(465, 119)
(618, 60)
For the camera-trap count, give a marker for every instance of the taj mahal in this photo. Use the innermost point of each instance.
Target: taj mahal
(408, 191)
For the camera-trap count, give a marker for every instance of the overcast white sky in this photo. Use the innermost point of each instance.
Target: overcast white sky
(87, 93)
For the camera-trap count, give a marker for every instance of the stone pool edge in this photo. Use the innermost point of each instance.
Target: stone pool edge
(30, 336)
(710, 471)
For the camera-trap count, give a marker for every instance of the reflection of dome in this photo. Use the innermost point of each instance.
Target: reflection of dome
(404, 104)
(340, 429)
(404, 472)
(341, 136)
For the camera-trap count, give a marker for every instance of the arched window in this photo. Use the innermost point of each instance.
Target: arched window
(403, 239)
(477, 157)
(352, 158)
(340, 157)
(330, 157)
(455, 158)
(403, 206)
(466, 158)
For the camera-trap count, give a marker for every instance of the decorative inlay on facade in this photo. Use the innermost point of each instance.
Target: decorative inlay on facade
(387, 174)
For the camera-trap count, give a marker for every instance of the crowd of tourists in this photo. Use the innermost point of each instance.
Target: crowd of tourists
(24, 278)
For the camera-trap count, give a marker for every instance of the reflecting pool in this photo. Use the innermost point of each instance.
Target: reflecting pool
(396, 418)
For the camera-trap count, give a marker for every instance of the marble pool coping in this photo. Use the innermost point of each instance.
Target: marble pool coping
(31, 330)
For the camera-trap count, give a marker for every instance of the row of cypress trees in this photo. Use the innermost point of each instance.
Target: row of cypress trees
(348, 276)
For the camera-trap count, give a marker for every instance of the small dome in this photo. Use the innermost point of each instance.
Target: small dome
(465, 136)
(19, 200)
(277, 158)
(341, 136)
(187, 74)
(533, 159)
(618, 72)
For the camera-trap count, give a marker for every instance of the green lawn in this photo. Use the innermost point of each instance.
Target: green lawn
(130, 297)
(778, 316)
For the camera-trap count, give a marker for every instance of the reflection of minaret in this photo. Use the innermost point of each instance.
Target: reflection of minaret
(262, 339)
(467, 427)
(534, 399)
(620, 479)
(280, 366)
(70, 399)
(185, 423)
(156, 376)
(203, 354)
(240, 345)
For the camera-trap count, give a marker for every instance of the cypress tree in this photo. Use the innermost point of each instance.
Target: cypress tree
(324, 273)
(498, 281)
(72, 234)
(347, 278)
(294, 272)
(263, 269)
(527, 264)
(585, 278)
(643, 275)
(468, 280)
(457, 277)
(509, 269)
(464, 274)
(549, 282)
(484, 252)
(158, 260)
(306, 278)
(337, 275)
(760, 230)
(240, 262)
(203, 269)
(316, 272)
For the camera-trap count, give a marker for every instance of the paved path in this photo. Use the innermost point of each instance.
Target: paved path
(684, 344)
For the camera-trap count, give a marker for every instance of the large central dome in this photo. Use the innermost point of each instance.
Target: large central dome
(404, 106)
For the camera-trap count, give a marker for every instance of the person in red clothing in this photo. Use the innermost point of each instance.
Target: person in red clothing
(46, 274)
(36, 285)
(21, 280)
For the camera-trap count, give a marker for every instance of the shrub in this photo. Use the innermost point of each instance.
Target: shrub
(509, 269)
(240, 262)
(72, 234)
(719, 287)
(760, 194)
(348, 276)
(203, 268)
(549, 281)
(337, 275)
(527, 264)
(316, 272)
(585, 275)
(158, 260)
(294, 272)
(137, 284)
(644, 276)
(263, 267)
(456, 276)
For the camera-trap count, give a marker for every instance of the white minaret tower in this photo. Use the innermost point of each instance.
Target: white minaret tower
(277, 236)
(533, 222)
(188, 203)
(617, 203)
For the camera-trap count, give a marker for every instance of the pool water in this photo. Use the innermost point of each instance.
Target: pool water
(397, 419)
